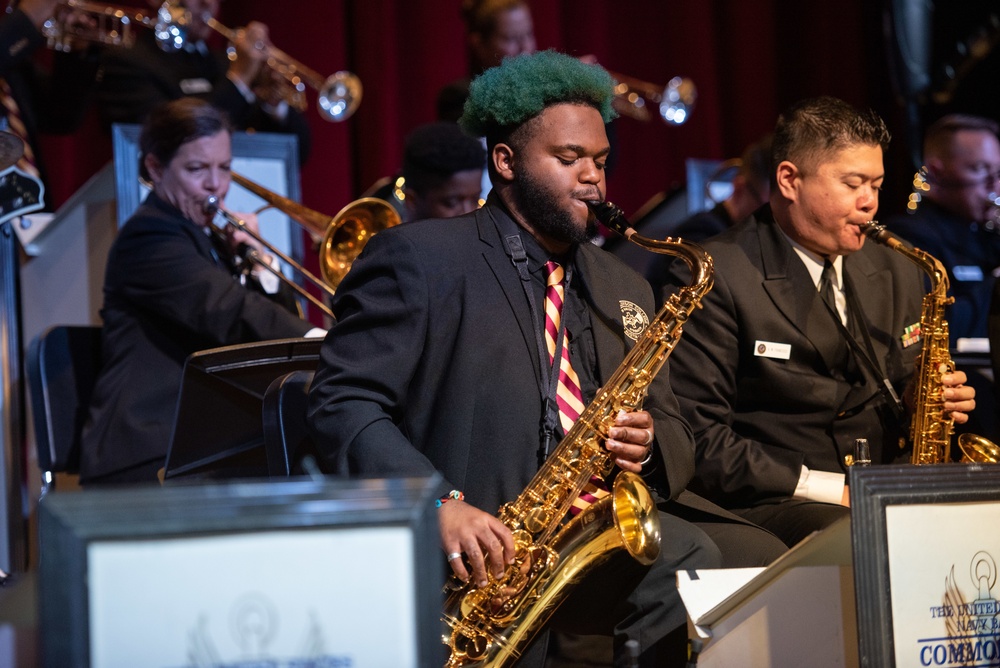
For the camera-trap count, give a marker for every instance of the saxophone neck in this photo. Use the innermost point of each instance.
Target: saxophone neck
(929, 264)
(698, 261)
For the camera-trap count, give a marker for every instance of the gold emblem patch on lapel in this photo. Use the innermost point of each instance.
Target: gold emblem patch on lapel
(634, 319)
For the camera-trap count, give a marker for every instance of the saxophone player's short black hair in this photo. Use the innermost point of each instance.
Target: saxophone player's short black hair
(815, 128)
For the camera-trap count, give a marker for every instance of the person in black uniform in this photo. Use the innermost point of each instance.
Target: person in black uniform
(135, 80)
(173, 287)
(958, 218)
(774, 389)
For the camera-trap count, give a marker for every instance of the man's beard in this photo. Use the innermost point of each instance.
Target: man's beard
(541, 209)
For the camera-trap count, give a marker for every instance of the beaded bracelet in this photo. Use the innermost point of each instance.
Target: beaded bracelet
(453, 494)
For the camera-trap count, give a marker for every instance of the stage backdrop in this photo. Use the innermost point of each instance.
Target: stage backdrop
(748, 60)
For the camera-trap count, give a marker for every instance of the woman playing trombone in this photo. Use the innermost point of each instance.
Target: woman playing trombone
(173, 286)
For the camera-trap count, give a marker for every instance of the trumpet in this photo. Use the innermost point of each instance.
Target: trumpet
(674, 102)
(108, 24)
(344, 236)
(338, 94)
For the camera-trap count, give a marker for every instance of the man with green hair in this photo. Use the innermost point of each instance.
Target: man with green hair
(439, 360)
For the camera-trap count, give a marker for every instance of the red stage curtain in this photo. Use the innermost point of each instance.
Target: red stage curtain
(748, 58)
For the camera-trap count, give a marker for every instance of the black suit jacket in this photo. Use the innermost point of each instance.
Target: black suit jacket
(433, 362)
(758, 418)
(135, 80)
(166, 295)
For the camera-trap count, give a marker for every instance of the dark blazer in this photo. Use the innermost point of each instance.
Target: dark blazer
(757, 418)
(969, 252)
(165, 297)
(433, 362)
(135, 80)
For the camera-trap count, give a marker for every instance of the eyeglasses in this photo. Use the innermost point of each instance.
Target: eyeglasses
(922, 181)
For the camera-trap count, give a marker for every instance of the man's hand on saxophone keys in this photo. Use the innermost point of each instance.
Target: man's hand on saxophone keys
(479, 536)
(959, 399)
(631, 440)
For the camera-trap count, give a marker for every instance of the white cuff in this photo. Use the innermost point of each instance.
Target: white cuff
(269, 282)
(316, 333)
(820, 486)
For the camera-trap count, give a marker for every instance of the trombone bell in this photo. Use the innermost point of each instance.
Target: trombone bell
(344, 235)
(349, 232)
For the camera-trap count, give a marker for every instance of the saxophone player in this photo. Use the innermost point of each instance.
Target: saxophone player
(438, 360)
(809, 337)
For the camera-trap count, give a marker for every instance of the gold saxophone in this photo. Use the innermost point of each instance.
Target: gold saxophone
(931, 428)
(492, 625)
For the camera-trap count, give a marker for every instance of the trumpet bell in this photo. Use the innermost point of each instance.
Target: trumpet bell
(339, 96)
(677, 100)
(674, 102)
(349, 232)
(171, 27)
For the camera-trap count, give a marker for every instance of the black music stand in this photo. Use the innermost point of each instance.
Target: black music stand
(218, 432)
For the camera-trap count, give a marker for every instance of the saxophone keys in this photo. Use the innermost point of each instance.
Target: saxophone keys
(537, 519)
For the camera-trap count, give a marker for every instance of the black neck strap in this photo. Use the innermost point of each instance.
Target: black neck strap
(866, 356)
(549, 371)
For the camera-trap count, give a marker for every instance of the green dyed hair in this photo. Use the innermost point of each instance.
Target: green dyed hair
(504, 97)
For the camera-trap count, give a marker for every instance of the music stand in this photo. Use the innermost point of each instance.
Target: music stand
(218, 432)
(242, 573)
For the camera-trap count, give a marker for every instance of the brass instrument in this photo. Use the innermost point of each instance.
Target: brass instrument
(674, 102)
(111, 25)
(931, 429)
(343, 236)
(492, 625)
(339, 94)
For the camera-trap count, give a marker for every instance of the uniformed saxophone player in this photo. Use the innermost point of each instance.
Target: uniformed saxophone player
(777, 379)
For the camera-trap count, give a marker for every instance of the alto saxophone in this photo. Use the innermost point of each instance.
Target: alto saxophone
(492, 625)
(931, 428)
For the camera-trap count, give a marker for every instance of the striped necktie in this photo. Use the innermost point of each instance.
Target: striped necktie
(569, 397)
(26, 163)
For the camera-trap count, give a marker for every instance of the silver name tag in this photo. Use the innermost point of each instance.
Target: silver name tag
(778, 351)
(196, 86)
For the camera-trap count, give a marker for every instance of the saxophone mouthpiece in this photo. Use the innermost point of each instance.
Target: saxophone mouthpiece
(612, 217)
(873, 230)
(870, 227)
(877, 232)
